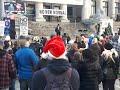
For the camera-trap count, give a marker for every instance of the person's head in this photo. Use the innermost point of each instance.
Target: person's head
(16, 44)
(115, 38)
(55, 48)
(94, 41)
(108, 46)
(74, 46)
(7, 38)
(88, 54)
(51, 36)
(6, 44)
(64, 34)
(24, 42)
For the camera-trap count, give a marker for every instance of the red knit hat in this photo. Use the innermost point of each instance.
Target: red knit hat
(55, 47)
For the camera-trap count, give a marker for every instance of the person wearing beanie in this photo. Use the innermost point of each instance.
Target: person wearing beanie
(55, 51)
(25, 60)
(110, 66)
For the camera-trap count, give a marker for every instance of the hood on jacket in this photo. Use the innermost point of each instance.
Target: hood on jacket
(58, 66)
(2, 53)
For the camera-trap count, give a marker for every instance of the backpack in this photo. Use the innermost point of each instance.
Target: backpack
(58, 82)
(36, 48)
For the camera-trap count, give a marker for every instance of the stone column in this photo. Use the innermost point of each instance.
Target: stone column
(38, 6)
(99, 4)
(64, 18)
(2, 14)
(112, 9)
(86, 9)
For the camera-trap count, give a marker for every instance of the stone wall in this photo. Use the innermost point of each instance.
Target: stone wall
(116, 25)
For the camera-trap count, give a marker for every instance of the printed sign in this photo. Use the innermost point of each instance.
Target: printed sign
(53, 12)
(2, 26)
(7, 26)
(30, 9)
(14, 7)
(23, 26)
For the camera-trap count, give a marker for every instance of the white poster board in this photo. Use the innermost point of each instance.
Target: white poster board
(53, 12)
(23, 26)
(2, 27)
(104, 23)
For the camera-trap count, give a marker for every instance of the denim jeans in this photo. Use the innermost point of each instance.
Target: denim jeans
(25, 84)
(12, 85)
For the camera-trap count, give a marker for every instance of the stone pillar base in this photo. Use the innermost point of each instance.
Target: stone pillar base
(65, 20)
(40, 19)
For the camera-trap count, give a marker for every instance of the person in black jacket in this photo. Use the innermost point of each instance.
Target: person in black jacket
(110, 66)
(89, 70)
(58, 65)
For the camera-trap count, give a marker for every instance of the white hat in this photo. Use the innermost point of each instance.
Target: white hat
(7, 38)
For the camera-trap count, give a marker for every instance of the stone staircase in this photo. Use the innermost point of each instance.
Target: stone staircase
(48, 28)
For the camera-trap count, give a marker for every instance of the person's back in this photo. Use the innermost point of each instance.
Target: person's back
(89, 71)
(25, 60)
(7, 69)
(57, 70)
(36, 48)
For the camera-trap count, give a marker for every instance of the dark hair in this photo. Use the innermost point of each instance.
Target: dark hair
(51, 36)
(108, 46)
(6, 44)
(88, 54)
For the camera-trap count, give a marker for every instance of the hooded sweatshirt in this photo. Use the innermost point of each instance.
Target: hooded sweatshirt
(57, 67)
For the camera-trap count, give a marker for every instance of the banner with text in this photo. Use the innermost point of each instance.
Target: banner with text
(23, 26)
(14, 7)
(53, 12)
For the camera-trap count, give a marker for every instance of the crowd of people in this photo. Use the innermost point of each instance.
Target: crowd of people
(58, 64)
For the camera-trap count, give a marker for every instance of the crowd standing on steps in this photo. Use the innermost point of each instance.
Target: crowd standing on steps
(60, 63)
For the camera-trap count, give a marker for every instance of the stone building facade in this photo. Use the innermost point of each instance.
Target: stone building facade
(66, 10)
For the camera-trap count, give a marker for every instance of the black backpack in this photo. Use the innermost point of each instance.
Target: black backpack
(58, 82)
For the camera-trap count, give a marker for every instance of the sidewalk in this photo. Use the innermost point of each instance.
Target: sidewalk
(117, 85)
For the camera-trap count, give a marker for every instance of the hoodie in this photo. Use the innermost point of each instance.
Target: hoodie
(57, 67)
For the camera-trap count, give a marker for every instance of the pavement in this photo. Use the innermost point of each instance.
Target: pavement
(117, 85)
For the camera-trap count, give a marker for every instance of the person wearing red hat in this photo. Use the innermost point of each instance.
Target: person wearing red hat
(57, 69)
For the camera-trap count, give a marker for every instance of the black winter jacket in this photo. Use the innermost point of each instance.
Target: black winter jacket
(90, 74)
(57, 67)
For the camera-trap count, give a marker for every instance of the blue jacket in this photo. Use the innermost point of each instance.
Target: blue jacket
(25, 60)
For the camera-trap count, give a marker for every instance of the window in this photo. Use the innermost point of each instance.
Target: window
(93, 8)
(105, 7)
(69, 11)
(117, 8)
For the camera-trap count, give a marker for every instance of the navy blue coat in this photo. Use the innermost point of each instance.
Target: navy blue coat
(57, 67)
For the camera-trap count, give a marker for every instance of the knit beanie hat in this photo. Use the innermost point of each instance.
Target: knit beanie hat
(108, 46)
(55, 48)
(7, 38)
